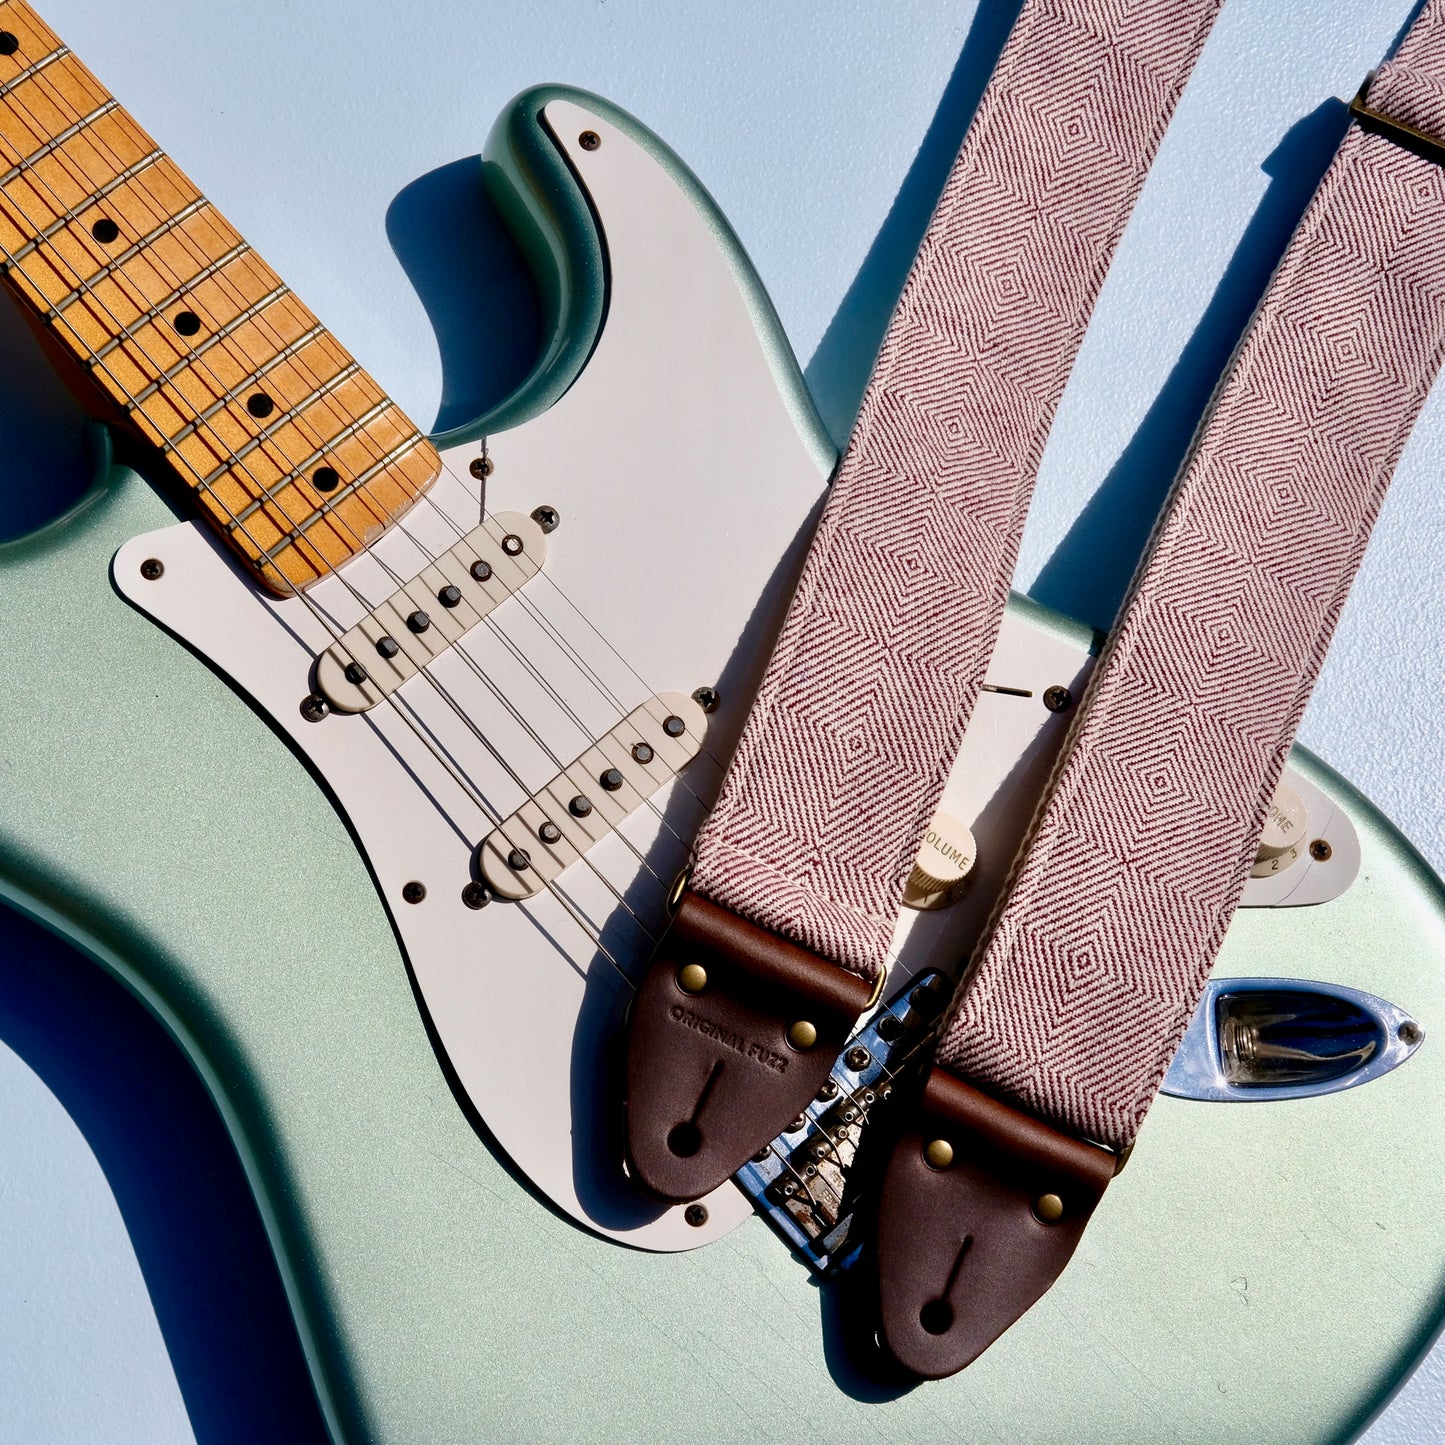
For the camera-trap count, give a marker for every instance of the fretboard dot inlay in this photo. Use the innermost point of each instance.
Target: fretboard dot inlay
(187, 323)
(326, 479)
(260, 405)
(8, 43)
(105, 231)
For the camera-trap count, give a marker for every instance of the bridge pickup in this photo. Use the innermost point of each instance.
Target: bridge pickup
(422, 620)
(587, 801)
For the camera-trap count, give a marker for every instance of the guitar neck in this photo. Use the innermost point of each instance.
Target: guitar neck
(294, 453)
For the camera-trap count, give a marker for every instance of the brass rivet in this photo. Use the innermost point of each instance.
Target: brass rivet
(1049, 1208)
(692, 978)
(938, 1153)
(802, 1035)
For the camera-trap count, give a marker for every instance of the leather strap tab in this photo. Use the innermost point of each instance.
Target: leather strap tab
(733, 1031)
(981, 1209)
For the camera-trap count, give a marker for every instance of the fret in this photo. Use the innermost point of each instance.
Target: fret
(31, 70)
(111, 267)
(320, 454)
(55, 227)
(297, 533)
(181, 358)
(50, 146)
(288, 418)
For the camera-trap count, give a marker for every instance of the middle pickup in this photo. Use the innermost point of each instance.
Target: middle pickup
(585, 802)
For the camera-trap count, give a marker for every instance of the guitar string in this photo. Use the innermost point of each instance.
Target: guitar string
(23, 166)
(302, 426)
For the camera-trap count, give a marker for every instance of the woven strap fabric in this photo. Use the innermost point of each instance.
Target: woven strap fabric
(1096, 958)
(882, 655)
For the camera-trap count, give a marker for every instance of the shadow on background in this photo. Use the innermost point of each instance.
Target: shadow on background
(178, 1185)
(839, 368)
(1090, 569)
(478, 293)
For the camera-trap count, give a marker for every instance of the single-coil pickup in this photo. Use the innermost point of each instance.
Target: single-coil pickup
(584, 803)
(423, 619)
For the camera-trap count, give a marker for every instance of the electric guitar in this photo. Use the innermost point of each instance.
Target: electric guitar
(452, 710)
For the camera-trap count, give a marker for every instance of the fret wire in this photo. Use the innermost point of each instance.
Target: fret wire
(33, 70)
(72, 215)
(155, 313)
(128, 255)
(287, 418)
(19, 169)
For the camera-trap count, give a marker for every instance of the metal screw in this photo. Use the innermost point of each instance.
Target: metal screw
(449, 596)
(761, 1157)
(1049, 1208)
(673, 726)
(828, 1091)
(152, 568)
(550, 833)
(938, 1153)
(1058, 699)
(642, 753)
(802, 1035)
(512, 545)
(611, 779)
(1321, 851)
(418, 621)
(482, 571)
(889, 1027)
(547, 518)
(1410, 1033)
(518, 859)
(589, 140)
(580, 806)
(797, 1124)
(707, 699)
(475, 896)
(414, 892)
(314, 707)
(387, 646)
(858, 1058)
(482, 467)
(355, 674)
(692, 978)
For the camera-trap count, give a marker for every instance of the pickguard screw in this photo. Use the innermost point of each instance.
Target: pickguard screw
(475, 896)
(414, 892)
(550, 833)
(696, 1215)
(547, 518)
(314, 707)
(642, 753)
(1410, 1032)
(580, 806)
(512, 545)
(450, 596)
(611, 779)
(1321, 851)
(707, 699)
(152, 568)
(589, 140)
(482, 571)
(518, 859)
(673, 726)
(1058, 699)
(482, 467)
(858, 1058)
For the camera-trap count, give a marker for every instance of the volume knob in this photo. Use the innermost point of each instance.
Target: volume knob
(1284, 833)
(944, 861)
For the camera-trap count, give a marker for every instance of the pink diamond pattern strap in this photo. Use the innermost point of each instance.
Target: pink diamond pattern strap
(1098, 953)
(880, 660)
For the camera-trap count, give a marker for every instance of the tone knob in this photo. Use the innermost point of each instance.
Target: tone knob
(944, 861)
(1283, 839)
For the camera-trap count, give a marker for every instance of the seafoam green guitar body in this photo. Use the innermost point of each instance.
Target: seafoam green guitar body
(1257, 1272)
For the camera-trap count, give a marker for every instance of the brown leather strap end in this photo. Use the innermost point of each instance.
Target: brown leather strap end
(732, 1033)
(981, 1209)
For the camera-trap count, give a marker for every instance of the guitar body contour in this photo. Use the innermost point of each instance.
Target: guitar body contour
(1256, 1272)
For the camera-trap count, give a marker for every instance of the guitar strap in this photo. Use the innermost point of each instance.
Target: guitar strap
(779, 942)
(1097, 954)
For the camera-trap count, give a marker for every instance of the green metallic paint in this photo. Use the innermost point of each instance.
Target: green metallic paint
(1264, 1272)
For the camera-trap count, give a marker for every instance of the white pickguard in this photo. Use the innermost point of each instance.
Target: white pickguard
(686, 496)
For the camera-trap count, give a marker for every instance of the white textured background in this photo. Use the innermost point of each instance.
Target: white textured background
(823, 131)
